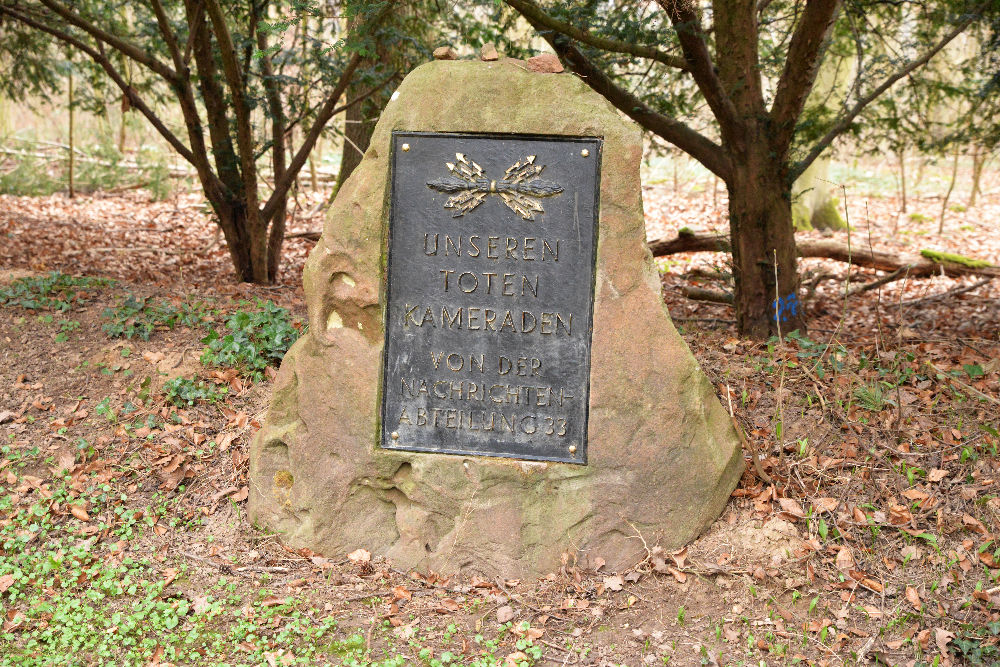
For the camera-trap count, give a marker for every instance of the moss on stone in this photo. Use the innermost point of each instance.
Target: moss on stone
(828, 216)
(283, 479)
(800, 217)
(952, 258)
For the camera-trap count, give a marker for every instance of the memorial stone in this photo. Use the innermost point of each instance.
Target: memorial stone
(490, 379)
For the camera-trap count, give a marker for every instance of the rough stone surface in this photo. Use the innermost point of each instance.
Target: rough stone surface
(444, 53)
(489, 52)
(545, 63)
(663, 455)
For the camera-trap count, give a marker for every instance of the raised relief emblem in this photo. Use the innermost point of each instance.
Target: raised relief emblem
(520, 188)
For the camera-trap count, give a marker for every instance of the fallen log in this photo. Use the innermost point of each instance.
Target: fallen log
(928, 263)
(702, 294)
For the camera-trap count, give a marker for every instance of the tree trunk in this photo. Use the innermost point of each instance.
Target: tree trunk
(248, 247)
(72, 146)
(947, 195)
(357, 134)
(760, 222)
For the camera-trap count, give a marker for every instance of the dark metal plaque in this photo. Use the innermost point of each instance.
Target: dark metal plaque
(490, 295)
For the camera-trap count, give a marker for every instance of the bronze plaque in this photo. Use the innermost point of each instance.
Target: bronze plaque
(492, 242)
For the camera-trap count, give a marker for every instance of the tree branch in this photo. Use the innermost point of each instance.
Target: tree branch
(534, 14)
(688, 140)
(117, 43)
(343, 107)
(185, 93)
(801, 67)
(213, 97)
(244, 126)
(193, 20)
(684, 18)
(844, 123)
(115, 76)
(915, 266)
(277, 234)
(168, 36)
(323, 116)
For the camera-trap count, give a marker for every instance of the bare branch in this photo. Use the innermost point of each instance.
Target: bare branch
(278, 121)
(168, 35)
(343, 107)
(844, 123)
(213, 97)
(193, 20)
(537, 17)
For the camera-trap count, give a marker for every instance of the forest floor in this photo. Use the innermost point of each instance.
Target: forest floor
(864, 535)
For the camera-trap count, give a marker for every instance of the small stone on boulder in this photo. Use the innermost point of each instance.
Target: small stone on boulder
(546, 63)
(489, 52)
(445, 53)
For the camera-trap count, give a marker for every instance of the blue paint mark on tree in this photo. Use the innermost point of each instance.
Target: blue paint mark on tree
(784, 308)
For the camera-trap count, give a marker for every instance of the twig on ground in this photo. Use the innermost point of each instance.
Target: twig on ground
(952, 292)
(964, 385)
(898, 274)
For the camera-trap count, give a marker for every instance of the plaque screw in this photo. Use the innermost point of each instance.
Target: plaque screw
(395, 435)
(406, 147)
(572, 449)
(584, 152)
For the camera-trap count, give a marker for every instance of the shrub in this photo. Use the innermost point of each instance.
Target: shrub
(256, 339)
(182, 391)
(56, 291)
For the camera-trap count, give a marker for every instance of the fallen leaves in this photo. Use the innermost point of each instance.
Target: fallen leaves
(505, 613)
(614, 582)
(359, 556)
(937, 474)
(913, 597)
(448, 605)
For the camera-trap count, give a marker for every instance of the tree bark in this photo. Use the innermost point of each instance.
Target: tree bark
(764, 257)
(357, 134)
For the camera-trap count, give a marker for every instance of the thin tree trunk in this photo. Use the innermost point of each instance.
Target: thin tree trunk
(121, 135)
(357, 136)
(72, 147)
(947, 195)
(313, 177)
(902, 180)
(978, 159)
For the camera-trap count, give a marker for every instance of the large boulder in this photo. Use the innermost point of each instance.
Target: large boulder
(663, 456)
